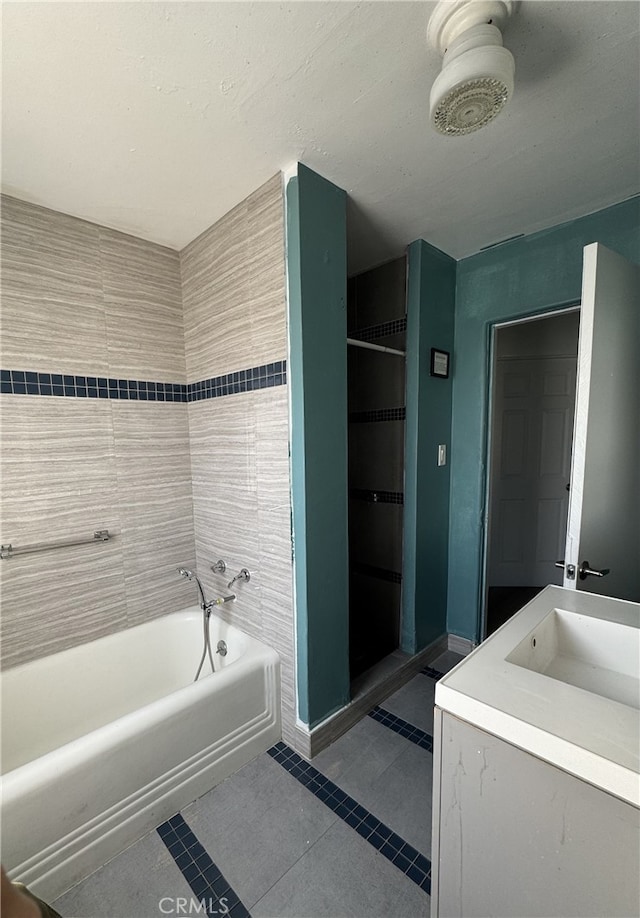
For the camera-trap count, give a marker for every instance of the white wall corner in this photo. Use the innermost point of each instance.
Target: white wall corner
(289, 172)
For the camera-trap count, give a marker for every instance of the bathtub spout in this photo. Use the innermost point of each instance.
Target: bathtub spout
(222, 599)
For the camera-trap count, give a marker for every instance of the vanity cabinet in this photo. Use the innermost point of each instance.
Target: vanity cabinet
(537, 766)
(516, 836)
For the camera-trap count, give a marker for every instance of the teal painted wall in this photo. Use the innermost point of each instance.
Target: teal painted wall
(527, 276)
(317, 270)
(430, 319)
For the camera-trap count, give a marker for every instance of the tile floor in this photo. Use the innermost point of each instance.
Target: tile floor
(347, 835)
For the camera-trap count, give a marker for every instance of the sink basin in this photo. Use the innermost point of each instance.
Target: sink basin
(593, 654)
(561, 680)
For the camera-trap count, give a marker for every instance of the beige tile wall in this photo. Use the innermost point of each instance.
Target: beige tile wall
(82, 299)
(53, 312)
(233, 282)
(155, 506)
(233, 288)
(59, 481)
(143, 309)
(179, 485)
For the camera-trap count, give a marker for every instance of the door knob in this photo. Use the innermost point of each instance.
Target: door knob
(586, 571)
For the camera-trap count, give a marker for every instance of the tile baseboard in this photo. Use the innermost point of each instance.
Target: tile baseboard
(460, 644)
(394, 672)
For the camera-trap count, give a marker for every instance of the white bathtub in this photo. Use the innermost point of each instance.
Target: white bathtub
(103, 742)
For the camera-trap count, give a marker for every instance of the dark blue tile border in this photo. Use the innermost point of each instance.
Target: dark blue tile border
(24, 382)
(378, 414)
(377, 497)
(202, 875)
(431, 672)
(382, 330)
(403, 855)
(263, 377)
(403, 727)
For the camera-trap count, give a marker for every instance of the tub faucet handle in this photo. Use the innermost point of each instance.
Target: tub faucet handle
(244, 575)
(219, 567)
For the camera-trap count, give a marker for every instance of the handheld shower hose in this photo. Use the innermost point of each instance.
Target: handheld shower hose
(206, 610)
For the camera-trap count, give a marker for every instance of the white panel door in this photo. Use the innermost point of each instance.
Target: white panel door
(534, 404)
(604, 507)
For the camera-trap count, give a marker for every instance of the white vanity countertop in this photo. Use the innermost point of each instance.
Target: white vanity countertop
(584, 732)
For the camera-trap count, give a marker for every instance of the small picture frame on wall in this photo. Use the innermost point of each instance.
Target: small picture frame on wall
(439, 363)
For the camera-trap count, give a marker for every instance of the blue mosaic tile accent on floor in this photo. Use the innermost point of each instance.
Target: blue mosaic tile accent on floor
(403, 855)
(202, 875)
(24, 382)
(431, 672)
(403, 727)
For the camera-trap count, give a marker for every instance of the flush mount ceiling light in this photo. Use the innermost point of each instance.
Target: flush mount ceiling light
(476, 80)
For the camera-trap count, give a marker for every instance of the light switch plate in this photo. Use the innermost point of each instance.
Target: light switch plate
(442, 454)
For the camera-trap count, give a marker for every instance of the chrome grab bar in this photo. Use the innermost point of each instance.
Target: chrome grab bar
(8, 551)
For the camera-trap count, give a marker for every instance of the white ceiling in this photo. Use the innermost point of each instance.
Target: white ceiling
(156, 118)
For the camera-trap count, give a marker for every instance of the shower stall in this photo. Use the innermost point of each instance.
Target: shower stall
(376, 321)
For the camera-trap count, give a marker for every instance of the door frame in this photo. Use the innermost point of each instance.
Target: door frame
(492, 329)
